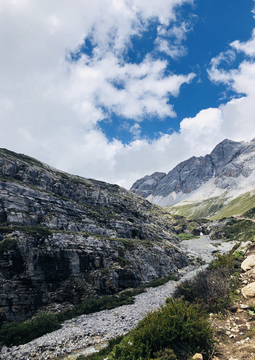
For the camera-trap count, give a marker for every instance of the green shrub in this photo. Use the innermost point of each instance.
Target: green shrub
(166, 354)
(89, 306)
(8, 243)
(21, 333)
(179, 326)
(214, 286)
(184, 236)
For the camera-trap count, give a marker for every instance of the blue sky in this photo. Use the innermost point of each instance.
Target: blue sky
(117, 89)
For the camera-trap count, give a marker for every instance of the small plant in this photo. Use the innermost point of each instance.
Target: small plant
(184, 236)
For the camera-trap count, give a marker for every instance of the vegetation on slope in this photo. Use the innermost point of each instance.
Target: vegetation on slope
(178, 330)
(200, 209)
(233, 229)
(237, 206)
(20, 333)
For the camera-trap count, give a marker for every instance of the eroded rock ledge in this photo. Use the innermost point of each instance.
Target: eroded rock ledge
(64, 238)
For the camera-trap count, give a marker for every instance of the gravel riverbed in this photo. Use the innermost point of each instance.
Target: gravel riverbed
(94, 329)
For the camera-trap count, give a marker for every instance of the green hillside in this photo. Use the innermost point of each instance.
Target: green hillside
(215, 208)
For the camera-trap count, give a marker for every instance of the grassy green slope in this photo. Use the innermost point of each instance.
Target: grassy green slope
(214, 208)
(200, 209)
(237, 206)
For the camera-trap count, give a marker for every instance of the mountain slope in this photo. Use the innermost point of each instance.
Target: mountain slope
(64, 238)
(211, 181)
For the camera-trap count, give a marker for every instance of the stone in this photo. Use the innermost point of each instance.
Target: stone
(197, 356)
(248, 263)
(249, 290)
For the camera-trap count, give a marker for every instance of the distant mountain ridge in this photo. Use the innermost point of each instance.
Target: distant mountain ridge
(227, 172)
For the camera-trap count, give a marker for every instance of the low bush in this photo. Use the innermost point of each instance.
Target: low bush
(89, 306)
(175, 331)
(214, 286)
(184, 236)
(21, 333)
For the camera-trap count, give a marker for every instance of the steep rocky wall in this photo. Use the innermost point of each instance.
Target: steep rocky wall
(37, 269)
(64, 238)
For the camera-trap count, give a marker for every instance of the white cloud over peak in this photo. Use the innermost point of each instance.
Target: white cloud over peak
(51, 106)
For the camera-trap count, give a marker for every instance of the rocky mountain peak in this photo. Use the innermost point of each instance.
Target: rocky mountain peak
(226, 167)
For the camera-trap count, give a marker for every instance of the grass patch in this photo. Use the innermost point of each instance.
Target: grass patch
(21, 333)
(31, 230)
(185, 236)
(237, 206)
(250, 213)
(200, 209)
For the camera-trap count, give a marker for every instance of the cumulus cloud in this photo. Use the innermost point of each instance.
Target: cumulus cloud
(170, 40)
(51, 106)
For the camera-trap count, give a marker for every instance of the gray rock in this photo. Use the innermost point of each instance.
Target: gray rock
(222, 164)
(64, 238)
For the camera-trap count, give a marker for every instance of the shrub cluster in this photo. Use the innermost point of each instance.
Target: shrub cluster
(214, 286)
(175, 331)
(21, 333)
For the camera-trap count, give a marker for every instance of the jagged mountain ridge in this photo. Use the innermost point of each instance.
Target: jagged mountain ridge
(64, 238)
(228, 170)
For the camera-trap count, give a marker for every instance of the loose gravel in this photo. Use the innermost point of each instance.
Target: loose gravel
(90, 330)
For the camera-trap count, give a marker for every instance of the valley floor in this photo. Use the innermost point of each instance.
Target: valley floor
(91, 330)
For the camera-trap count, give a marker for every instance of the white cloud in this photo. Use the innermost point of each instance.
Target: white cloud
(51, 108)
(248, 47)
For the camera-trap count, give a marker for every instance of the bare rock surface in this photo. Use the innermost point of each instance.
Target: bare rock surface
(228, 170)
(248, 263)
(64, 238)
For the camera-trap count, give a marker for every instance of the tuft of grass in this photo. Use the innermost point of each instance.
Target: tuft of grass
(184, 236)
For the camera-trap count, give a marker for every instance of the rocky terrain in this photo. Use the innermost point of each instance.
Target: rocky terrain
(94, 329)
(225, 174)
(64, 238)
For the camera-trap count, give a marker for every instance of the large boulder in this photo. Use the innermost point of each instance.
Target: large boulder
(248, 263)
(249, 290)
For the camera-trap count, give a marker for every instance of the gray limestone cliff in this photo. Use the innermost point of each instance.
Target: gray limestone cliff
(64, 238)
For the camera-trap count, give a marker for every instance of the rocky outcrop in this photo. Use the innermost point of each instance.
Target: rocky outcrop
(227, 168)
(64, 238)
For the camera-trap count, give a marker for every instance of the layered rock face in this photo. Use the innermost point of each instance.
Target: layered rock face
(229, 168)
(64, 238)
